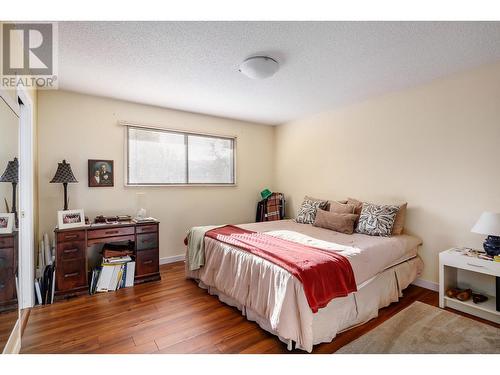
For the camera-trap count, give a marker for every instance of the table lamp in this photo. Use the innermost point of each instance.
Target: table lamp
(11, 175)
(64, 175)
(489, 224)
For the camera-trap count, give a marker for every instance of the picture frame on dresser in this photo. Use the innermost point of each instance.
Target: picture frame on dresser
(70, 219)
(6, 223)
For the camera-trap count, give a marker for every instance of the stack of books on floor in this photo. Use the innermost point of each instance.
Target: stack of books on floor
(114, 273)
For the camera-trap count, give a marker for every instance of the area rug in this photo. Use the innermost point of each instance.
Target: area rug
(421, 328)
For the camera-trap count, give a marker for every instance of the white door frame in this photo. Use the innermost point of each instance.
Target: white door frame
(26, 201)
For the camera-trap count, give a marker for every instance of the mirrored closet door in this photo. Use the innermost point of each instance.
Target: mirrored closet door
(9, 234)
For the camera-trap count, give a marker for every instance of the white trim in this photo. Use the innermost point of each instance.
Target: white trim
(172, 259)
(173, 130)
(26, 204)
(127, 125)
(431, 285)
(13, 344)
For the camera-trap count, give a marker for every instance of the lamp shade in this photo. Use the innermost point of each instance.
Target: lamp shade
(64, 174)
(11, 173)
(488, 223)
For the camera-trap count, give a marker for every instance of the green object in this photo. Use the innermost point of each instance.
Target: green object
(266, 193)
(196, 246)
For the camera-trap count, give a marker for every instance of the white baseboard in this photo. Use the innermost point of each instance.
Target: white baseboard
(172, 259)
(13, 345)
(427, 284)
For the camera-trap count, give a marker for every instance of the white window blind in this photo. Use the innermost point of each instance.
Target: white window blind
(162, 157)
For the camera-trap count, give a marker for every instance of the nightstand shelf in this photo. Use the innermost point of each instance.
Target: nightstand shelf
(487, 306)
(457, 270)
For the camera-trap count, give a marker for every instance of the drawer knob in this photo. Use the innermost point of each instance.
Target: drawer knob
(147, 261)
(71, 274)
(70, 236)
(112, 232)
(68, 251)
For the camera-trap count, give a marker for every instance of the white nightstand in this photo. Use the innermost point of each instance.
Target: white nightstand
(457, 270)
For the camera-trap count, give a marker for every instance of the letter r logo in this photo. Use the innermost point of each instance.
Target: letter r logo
(27, 49)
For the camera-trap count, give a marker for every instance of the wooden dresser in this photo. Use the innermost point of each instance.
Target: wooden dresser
(71, 253)
(8, 268)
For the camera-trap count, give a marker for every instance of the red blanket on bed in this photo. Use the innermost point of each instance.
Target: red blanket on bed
(324, 274)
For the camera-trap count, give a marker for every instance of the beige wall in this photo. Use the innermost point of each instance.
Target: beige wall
(78, 127)
(436, 146)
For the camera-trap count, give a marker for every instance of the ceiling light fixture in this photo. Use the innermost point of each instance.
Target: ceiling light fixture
(259, 67)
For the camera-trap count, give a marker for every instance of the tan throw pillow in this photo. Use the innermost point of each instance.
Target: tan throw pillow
(343, 223)
(358, 205)
(399, 221)
(341, 208)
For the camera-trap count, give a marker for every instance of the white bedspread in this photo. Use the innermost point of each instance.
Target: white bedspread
(275, 299)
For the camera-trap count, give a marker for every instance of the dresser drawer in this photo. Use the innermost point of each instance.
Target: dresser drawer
(6, 259)
(75, 235)
(6, 242)
(110, 232)
(147, 228)
(147, 262)
(147, 241)
(71, 274)
(7, 286)
(71, 250)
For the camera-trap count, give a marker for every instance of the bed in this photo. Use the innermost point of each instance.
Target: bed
(272, 297)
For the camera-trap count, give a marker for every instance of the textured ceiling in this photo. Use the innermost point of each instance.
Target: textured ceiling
(193, 66)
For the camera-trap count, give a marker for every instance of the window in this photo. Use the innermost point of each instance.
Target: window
(163, 157)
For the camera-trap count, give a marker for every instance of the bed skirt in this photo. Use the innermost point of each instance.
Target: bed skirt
(340, 314)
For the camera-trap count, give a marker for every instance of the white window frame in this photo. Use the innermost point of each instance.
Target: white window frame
(127, 125)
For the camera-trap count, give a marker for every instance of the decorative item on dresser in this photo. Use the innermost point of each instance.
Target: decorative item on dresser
(6, 223)
(64, 175)
(70, 219)
(11, 174)
(8, 267)
(466, 273)
(489, 224)
(71, 249)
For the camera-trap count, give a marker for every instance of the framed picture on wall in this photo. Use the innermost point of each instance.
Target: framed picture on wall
(101, 173)
(70, 219)
(6, 223)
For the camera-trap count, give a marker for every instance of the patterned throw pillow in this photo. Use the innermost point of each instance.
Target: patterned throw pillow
(307, 211)
(376, 220)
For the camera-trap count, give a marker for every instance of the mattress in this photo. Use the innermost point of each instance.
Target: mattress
(368, 255)
(275, 299)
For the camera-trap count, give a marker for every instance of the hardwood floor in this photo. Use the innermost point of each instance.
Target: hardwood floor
(169, 316)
